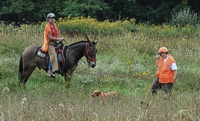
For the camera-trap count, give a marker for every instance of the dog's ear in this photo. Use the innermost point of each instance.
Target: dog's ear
(98, 93)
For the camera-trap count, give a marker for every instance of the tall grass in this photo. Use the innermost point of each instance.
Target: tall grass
(125, 63)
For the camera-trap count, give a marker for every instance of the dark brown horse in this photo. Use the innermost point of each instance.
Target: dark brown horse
(72, 54)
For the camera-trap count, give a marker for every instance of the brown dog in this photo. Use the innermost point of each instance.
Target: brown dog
(100, 94)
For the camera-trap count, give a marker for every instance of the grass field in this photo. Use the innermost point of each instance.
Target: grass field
(125, 63)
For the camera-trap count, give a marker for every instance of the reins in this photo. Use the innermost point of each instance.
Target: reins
(72, 51)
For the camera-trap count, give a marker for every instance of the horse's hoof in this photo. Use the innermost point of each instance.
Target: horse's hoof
(68, 85)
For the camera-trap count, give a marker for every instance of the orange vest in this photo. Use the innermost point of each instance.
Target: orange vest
(164, 72)
(46, 38)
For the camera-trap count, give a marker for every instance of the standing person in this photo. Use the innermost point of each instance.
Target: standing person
(166, 73)
(50, 38)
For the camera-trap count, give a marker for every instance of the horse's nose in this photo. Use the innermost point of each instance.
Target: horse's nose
(93, 65)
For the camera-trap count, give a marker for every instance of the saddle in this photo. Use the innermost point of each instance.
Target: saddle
(59, 48)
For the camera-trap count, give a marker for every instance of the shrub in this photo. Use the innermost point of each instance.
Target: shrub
(84, 25)
(184, 17)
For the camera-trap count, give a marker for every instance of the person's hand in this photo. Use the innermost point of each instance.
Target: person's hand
(157, 57)
(61, 39)
(174, 79)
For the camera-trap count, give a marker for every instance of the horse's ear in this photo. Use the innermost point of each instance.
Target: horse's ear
(99, 93)
(87, 38)
(95, 42)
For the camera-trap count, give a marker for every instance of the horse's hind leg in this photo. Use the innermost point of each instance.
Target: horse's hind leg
(26, 74)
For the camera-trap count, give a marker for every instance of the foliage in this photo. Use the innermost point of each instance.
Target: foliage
(125, 63)
(152, 12)
(94, 8)
(184, 17)
(12, 6)
(82, 25)
(27, 11)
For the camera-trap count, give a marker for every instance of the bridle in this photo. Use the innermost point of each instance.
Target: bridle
(87, 55)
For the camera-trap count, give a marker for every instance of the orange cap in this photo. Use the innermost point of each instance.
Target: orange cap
(162, 49)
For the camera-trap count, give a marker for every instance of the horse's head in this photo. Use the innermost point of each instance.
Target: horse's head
(90, 53)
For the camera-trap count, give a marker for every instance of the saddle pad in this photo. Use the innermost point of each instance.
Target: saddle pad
(39, 53)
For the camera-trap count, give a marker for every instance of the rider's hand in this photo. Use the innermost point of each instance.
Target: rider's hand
(60, 39)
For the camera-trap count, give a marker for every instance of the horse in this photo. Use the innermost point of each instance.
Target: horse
(71, 56)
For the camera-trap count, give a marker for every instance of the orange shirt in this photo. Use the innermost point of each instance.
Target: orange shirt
(164, 72)
(46, 38)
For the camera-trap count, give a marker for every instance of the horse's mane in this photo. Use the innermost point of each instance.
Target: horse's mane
(77, 42)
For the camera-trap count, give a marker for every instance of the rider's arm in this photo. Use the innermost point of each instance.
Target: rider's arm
(54, 38)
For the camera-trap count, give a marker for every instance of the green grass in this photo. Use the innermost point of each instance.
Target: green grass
(125, 63)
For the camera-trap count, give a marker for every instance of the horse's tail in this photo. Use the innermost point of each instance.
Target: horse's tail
(20, 71)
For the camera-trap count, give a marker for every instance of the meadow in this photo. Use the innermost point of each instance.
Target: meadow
(125, 63)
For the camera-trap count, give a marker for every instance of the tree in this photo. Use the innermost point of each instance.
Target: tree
(152, 11)
(13, 10)
(94, 8)
(29, 10)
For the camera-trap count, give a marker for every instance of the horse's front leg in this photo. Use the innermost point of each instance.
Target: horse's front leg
(67, 77)
(68, 74)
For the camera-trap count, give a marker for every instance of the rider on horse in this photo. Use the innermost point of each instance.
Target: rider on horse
(50, 40)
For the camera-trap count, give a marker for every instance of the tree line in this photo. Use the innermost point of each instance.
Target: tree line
(151, 11)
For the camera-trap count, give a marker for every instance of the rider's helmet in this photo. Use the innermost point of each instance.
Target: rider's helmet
(51, 15)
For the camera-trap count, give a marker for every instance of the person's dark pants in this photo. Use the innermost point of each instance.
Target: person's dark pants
(166, 87)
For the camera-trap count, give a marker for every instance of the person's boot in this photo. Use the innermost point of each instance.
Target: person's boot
(50, 73)
(57, 72)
